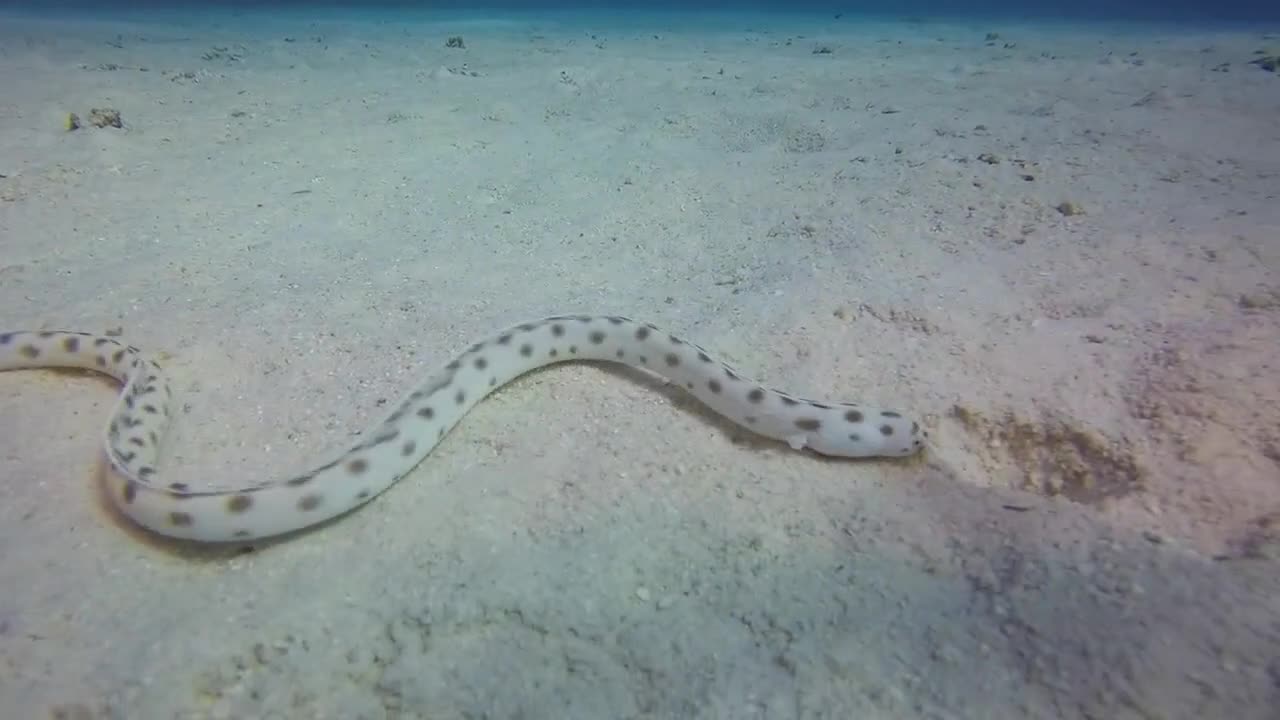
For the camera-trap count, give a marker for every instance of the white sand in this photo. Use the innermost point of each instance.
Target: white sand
(310, 216)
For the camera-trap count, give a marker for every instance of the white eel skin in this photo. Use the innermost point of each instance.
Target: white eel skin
(389, 449)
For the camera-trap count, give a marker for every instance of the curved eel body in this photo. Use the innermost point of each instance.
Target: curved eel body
(391, 447)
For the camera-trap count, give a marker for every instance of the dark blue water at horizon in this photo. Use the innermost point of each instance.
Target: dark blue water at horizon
(1199, 11)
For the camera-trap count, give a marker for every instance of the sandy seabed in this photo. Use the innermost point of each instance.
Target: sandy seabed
(1057, 244)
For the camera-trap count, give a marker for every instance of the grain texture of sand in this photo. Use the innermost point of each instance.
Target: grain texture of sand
(1057, 244)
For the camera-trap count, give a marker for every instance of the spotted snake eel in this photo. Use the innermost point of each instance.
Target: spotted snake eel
(394, 445)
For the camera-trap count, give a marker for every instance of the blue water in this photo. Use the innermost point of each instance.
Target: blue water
(1234, 11)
